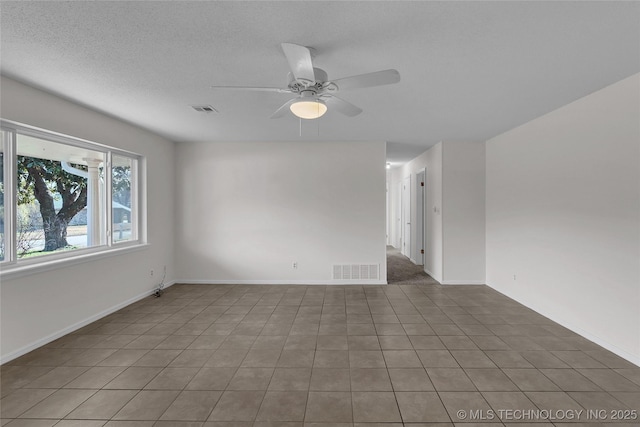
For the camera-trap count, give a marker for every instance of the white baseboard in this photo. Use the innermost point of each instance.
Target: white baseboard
(585, 334)
(46, 340)
(462, 282)
(281, 282)
(437, 279)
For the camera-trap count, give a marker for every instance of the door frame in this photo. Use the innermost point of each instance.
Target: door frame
(406, 217)
(419, 228)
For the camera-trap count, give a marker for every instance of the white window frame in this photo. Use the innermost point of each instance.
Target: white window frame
(11, 266)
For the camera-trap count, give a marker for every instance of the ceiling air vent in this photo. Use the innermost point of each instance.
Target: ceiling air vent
(204, 108)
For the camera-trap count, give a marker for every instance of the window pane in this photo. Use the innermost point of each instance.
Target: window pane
(2, 168)
(123, 202)
(60, 198)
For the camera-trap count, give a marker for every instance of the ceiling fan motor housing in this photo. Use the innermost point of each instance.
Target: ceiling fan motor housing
(319, 85)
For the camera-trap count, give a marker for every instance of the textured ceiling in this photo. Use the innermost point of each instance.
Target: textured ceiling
(469, 70)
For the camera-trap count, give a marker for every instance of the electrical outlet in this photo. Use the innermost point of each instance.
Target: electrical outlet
(295, 265)
(151, 272)
(514, 277)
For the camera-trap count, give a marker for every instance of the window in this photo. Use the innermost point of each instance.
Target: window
(60, 196)
(2, 236)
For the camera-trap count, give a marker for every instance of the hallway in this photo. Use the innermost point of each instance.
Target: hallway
(401, 271)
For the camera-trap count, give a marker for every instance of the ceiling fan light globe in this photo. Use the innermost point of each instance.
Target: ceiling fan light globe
(308, 109)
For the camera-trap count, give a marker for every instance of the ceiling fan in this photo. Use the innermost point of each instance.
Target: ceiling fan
(315, 92)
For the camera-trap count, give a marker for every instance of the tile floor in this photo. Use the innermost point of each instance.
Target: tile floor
(320, 356)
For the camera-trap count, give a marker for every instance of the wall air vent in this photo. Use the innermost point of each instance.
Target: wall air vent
(356, 272)
(204, 108)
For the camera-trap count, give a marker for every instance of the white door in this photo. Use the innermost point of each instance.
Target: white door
(406, 217)
(419, 223)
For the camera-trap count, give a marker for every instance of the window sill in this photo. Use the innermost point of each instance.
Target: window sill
(14, 271)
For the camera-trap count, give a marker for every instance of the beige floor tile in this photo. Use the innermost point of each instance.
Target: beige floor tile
(261, 358)
(133, 378)
(401, 359)
(331, 359)
(363, 342)
(123, 357)
(375, 407)
(553, 400)
(103, 405)
(283, 406)
(570, 380)
(376, 379)
(269, 342)
(329, 407)
(490, 380)
(227, 358)
(530, 380)
(56, 378)
(314, 356)
(450, 379)
(96, 377)
(172, 379)
(290, 379)
(90, 357)
(58, 404)
(192, 406)
(147, 405)
(211, 379)
(609, 380)
(472, 359)
(629, 398)
(437, 359)
(251, 379)
(410, 379)
(396, 328)
(395, 342)
(237, 406)
(417, 329)
(296, 359)
(419, 407)
(14, 404)
(543, 359)
(158, 358)
(30, 423)
(466, 401)
(503, 401)
(596, 400)
(330, 379)
(508, 359)
(367, 329)
(300, 342)
(191, 359)
(366, 359)
(332, 342)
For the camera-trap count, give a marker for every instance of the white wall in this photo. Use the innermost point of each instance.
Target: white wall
(463, 212)
(393, 178)
(433, 260)
(248, 211)
(39, 307)
(563, 210)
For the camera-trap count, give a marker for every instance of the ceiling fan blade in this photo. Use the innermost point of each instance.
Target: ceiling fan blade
(254, 88)
(299, 58)
(284, 109)
(340, 105)
(378, 78)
